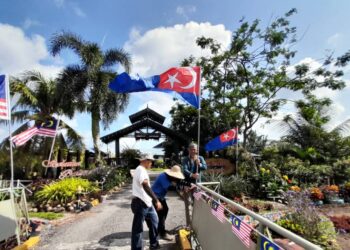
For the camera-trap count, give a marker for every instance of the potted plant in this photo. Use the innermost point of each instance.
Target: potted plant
(332, 194)
(316, 196)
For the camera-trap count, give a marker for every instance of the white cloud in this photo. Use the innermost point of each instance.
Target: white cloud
(79, 12)
(335, 39)
(59, 3)
(161, 48)
(21, 53)
(184, 11)
(28, 23)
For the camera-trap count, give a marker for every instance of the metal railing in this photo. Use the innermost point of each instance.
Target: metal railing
(263, 222)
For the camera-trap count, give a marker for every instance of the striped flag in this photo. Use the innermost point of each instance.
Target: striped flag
(218, 211)
(267, 244)
(47, 128)
(4, 98)
(197, 195)
(241, 229)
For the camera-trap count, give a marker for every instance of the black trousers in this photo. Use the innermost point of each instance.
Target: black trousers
(162, 214)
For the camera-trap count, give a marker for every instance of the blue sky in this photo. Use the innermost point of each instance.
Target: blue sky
(159, 34)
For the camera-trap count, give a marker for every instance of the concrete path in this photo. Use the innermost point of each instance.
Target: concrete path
(108, 226)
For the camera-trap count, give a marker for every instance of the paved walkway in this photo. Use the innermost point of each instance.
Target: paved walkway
(108, 226)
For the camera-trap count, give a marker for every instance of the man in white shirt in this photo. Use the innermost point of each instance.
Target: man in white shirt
(142, 206)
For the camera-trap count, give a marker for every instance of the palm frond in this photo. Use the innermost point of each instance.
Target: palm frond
(20, 116)
(92, 56)
(27, 96)
(115, 56)
(73, 138)
(65, 39)
(343, 128)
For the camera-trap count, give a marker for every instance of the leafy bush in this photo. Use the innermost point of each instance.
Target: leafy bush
(305, 221)
(110, 177)
(159, 163)
(64, 190)
(233, 186)
(130, 156)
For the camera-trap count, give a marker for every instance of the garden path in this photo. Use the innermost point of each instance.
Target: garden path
(107, 226)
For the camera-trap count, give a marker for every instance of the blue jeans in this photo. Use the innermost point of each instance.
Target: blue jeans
(143, 213)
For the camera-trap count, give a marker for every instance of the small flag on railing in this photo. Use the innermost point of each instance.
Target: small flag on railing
(218, 211)
(266, 244)
(241, 229)
(4, 98)
(198, 195)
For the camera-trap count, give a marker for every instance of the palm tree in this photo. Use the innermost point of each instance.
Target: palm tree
(85, 85)
(38, 101)
(309, 134)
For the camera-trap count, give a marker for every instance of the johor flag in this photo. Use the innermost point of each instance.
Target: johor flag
(222, 141)
(47, 128)
(183, 81)
(4, 98)
(267, 244)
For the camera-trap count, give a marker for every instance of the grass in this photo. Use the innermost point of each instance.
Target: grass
(46, 215)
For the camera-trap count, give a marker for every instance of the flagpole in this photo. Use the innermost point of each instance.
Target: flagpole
(12, 198)
(199, 115)
(237, 130)
(53, 141)
(10, 129)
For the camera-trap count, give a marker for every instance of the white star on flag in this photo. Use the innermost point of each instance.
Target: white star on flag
(226, 136)
(172, 79)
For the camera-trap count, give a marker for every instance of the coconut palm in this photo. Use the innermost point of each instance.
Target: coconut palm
(38, 101)
(85, 85)
(310, 135)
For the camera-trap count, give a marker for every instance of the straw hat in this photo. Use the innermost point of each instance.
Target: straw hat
(146, 157)
(175, 172)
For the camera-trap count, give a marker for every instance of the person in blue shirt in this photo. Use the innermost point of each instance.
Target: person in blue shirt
(170, 177)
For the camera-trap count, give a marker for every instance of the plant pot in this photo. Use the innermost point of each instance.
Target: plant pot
(318, 203)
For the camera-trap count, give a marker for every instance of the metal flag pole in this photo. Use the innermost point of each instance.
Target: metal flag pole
(237, 130)
(53, 141)
(12, 191)
(199, 116)
(10, 129)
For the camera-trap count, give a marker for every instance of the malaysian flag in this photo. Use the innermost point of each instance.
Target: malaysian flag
(218, 211)
(198, 195)
(242, 230)
(4, 98)
(47, 128)
(267, 244)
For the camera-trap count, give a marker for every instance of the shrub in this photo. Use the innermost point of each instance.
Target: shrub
(233, 186)
(64, 190)
(305, 221)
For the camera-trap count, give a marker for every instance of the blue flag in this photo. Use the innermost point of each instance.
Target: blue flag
(222, 141)
(266, 244)
(182, 81)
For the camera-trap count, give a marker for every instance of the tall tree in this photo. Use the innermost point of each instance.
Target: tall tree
(37, 100)
(243, 81)
(309, 135)
(85, 85)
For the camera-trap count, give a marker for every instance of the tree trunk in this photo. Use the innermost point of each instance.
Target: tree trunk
(95, 129)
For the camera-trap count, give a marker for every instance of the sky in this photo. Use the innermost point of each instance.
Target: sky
(158, 35)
